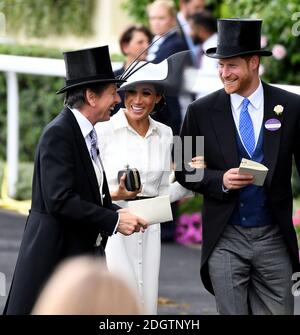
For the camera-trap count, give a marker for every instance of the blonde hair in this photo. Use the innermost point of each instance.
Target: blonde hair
(168, 4)
(83, 286)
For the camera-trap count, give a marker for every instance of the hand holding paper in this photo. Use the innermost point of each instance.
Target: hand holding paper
(153, 210)
(257, 170)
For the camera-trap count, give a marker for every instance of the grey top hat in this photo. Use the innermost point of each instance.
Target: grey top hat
(237, 37)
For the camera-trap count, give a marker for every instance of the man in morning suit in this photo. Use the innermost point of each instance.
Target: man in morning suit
(71, 212)
(249, 244)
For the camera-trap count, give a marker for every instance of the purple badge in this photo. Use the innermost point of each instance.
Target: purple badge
(272, 124)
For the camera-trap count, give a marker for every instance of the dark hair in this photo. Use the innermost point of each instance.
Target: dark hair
(206, 20)
(127, 35)
(75, 98)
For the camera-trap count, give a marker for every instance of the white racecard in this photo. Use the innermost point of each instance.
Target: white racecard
(154, 210)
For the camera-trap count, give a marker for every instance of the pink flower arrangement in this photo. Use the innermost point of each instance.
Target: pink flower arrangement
(296, 222)
(279, 51)
(189, 229)
(296, 217)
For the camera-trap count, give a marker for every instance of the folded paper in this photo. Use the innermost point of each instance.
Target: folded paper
(154, 210)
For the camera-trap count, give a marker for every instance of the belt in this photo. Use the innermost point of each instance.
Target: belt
(139, 198)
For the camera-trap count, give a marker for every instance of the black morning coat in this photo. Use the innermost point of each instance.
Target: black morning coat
(66, 214)
(212, 118)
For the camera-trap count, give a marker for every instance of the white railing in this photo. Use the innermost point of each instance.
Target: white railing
(12, 65)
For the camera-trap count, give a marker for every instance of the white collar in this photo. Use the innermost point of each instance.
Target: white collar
(85, 125)
(119, 120)
(256, 98)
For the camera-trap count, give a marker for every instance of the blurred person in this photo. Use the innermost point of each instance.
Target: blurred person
(204, 32)
(162, 20)
(71, 212)
(249, 250)
(82, 285)
(133, 41)
(188, 8)
(133, 138)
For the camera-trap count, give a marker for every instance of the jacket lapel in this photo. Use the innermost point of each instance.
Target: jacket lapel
(84, 154)
(271, 138)
(224, 126)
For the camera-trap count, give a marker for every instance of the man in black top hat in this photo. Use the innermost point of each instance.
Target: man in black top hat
(71, 212)
(249, 245)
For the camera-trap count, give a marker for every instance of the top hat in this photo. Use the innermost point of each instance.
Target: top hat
(166, 76)
(237, 37)
(88, 66)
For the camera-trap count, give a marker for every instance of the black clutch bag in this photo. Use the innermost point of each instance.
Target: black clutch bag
(132, 180)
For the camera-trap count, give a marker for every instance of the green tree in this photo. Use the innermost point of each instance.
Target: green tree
(45, 17)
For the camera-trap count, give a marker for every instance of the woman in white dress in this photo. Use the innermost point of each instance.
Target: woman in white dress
(132, 138)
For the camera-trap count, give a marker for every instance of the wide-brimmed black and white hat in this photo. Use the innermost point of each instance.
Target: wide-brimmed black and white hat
(166, 76)
(238, 37)
(88, 66)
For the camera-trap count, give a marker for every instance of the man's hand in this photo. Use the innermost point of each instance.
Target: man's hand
(233, 181)
(130, 223)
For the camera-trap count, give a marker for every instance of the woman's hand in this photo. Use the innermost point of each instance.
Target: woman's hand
(122, 193)
(197, 162)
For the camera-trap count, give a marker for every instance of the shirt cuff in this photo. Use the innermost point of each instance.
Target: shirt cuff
(224, 189)
(117, 224)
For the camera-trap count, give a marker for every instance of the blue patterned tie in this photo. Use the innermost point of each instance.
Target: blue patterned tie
(94, 148)
(246, 128)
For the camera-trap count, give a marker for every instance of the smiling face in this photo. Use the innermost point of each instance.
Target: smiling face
(102, 104)
(239, 75)
(140, 102)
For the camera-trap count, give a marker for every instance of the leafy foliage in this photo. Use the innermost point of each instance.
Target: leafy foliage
(42, 18)
(23, 187)
(192, 205)
(281, 25)
(137, 9)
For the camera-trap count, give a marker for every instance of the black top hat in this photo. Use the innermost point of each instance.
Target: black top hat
(88, 66)
(237, 37)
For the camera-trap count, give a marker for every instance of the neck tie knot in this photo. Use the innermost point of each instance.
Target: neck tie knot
(245, 103)
(94, 148)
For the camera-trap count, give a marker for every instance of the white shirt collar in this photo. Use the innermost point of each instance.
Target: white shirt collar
(255, 98)
(119, 120)
(85, 125)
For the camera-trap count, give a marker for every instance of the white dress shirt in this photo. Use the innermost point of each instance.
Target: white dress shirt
(255, 109)
(137, 257)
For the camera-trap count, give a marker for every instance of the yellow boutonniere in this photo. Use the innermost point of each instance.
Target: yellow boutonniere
(278, 109)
